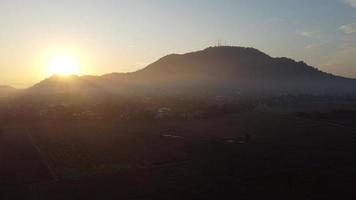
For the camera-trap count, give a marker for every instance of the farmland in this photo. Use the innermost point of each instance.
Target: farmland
(286, 156)
(251, 153)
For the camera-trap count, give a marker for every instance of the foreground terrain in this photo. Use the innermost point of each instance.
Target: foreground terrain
(275, 153)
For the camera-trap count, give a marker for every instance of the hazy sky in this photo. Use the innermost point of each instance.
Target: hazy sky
(126, 35)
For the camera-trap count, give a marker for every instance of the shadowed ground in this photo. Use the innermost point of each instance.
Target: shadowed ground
(286, 158)
(20, 165)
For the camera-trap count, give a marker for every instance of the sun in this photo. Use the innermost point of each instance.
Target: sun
(63, 65)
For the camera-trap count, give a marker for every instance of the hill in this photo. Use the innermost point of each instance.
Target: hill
(65, 84)
(6, 90)
(215, 69)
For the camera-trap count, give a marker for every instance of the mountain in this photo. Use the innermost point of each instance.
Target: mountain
(6, 90)
(64, 84)
(215, 69)
(245, 69)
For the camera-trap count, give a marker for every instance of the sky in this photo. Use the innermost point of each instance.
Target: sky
(125, 35)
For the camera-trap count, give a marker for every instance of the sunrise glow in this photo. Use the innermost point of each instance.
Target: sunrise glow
(64, 65)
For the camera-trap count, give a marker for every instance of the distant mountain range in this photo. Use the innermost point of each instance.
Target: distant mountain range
(215, 69)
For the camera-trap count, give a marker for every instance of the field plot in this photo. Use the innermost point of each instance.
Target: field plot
(285, 157)
(77, 150)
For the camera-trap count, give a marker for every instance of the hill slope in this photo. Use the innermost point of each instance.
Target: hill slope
(6, 90)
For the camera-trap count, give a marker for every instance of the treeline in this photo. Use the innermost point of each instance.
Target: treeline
(118, 108)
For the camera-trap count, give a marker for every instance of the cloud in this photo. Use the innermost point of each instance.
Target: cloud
(316, 37)
(349, 28)
(317, 45)
(315, 34)
(309, 34)
(351, 2)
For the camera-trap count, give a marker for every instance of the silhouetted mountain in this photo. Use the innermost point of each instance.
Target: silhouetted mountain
(6, 90)
(63, 84)
(215, 69)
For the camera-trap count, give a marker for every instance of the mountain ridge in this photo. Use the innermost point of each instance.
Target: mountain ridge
(214, 68)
